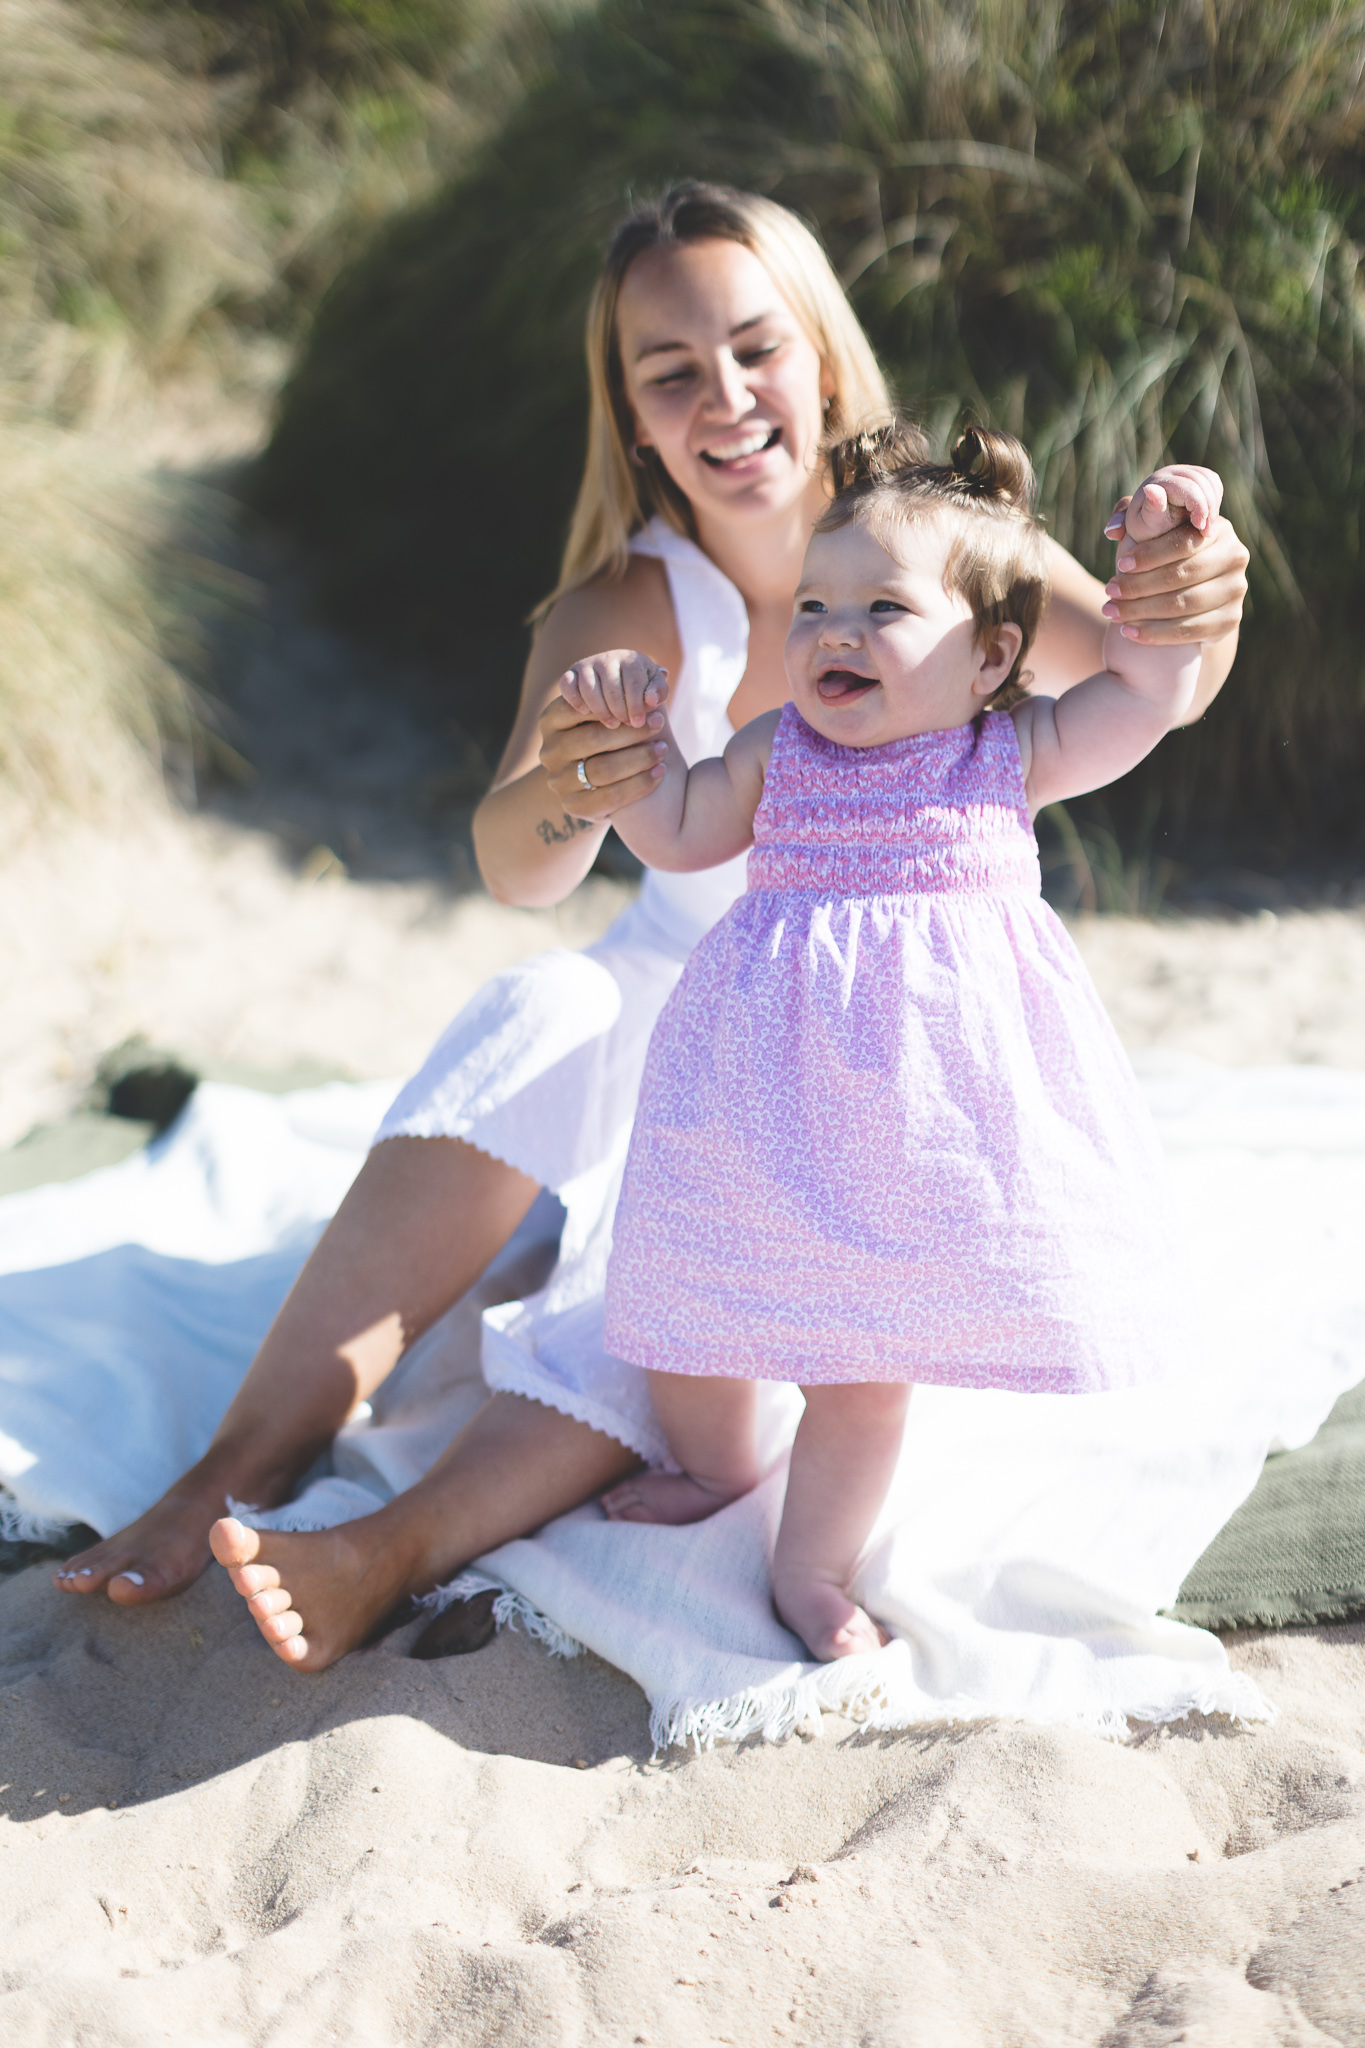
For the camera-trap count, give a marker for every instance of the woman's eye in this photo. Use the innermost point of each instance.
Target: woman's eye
(758, 355)
(673, 377)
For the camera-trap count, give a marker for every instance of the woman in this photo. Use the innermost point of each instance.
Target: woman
(721, 350)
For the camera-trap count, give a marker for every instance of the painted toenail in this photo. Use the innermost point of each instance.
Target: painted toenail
(136, 1578)
(84, 1573)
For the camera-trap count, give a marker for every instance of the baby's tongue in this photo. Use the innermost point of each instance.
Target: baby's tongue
(839, 684)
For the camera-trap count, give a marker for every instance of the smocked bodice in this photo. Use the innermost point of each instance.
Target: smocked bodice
(939, 812)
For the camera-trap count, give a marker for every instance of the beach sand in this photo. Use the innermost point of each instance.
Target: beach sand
(202, 1847)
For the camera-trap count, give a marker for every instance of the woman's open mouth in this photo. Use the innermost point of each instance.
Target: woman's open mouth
(728, 454)
(841, 686)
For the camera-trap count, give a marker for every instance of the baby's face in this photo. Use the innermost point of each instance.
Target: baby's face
(878, 650)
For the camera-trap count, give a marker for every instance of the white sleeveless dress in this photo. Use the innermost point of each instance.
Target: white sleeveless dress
(542, 1067)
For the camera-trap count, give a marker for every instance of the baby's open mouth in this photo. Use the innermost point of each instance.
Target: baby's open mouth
(742, 448)
(841, 685)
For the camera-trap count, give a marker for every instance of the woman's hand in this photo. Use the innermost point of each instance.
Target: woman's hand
(620, 764)
(1188, 584)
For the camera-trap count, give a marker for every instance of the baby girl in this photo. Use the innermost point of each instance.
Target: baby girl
(886, 1132)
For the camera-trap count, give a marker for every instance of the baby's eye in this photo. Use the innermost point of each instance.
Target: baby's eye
(810, 604)
(885, 604)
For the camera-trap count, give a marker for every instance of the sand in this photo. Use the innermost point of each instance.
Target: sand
(202, 1847)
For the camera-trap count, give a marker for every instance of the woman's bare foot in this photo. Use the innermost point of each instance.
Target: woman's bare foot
(160, 1553)
(313, 1596)
(669, 1497)
(827, 1621)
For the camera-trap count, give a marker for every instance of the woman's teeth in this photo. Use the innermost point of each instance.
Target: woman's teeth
(739, 450)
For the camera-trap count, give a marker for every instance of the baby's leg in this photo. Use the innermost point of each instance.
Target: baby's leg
(709, 1423)
(842, 1461)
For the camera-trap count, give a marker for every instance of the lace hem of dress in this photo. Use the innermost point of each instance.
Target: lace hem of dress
(511, 1375)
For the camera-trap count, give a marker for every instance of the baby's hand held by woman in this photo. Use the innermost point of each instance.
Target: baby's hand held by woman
(1179, 494)
(618, 688)
(1180, 576)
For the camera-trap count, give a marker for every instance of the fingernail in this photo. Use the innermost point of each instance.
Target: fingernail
(1113, 588)
(656, 721)
(661, 746)
(1126, 562)
(1109, 611)
(1128, 632)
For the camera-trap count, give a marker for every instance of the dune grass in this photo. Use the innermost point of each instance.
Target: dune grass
(94, 653)
(1120, 228)
(179, 180)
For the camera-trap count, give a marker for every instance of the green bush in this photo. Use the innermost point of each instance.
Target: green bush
(1121, 229)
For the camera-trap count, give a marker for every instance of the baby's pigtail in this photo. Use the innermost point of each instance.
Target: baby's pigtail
(876, 456)
(994, 466)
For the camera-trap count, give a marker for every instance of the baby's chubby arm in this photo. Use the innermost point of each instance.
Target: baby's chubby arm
(694, 817)
(1105, 725)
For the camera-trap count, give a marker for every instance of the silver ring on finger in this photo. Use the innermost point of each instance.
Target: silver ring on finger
(583, 781)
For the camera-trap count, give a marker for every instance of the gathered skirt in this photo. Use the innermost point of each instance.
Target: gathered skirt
(894, 1138)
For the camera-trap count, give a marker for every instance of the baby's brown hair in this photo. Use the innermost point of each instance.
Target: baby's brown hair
(997, 562)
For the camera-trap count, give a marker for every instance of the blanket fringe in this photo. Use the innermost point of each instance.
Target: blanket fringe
(780, 1710)
(853, 1687)
(21, 1525)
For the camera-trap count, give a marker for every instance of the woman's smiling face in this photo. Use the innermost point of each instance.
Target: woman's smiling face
(724, 383)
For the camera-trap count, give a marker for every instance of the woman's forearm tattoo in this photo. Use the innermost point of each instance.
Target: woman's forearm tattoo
(566, 829)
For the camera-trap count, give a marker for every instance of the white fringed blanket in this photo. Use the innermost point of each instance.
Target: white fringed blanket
(1030, 1540)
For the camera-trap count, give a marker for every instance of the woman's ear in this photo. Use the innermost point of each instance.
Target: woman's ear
(997, 650)
(826, 384)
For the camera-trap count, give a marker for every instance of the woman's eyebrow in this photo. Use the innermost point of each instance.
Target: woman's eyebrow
(661, 348)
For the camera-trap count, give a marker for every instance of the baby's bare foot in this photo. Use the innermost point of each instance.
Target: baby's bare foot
(312, 1596)
(160, 1553)
(827, 1621)
(669, 1497)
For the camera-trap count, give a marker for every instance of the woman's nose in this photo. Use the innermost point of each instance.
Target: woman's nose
(728, 389)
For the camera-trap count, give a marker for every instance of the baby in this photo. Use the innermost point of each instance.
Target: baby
(886, 1132)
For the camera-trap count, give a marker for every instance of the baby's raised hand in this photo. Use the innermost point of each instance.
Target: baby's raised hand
(619, 688)
(1168, 498)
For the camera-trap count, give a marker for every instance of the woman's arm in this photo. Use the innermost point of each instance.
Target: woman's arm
(531, 849)
(1183, 587)
(1108, 723)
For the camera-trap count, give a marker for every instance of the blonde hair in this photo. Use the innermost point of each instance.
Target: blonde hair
(618, 496)
(997, 562)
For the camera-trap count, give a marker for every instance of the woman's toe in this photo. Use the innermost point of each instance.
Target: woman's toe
(273, 1600)
(133, 1588)
(76, 1576)
(254, 1578)
(232, 1543)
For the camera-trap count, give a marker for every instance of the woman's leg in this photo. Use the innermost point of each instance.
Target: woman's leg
(709, 1424)
(842, 1463)
(421, 1222)
(516, 1465)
